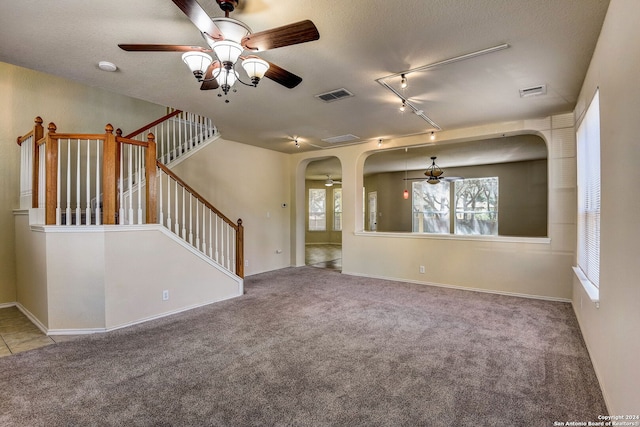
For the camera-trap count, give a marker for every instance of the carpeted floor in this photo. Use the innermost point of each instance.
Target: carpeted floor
(312, 347)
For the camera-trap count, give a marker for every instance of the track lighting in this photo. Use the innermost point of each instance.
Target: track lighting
(297, 143)
(403, 106)
(403, 82)
(380, 142)
(433, 136)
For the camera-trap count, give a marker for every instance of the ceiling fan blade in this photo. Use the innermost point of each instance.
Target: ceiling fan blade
(162, 48)
(282, 76)
(209, 82)
(199, 17)
(299, 32)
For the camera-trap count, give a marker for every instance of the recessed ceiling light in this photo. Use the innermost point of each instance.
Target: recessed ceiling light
(107, 66)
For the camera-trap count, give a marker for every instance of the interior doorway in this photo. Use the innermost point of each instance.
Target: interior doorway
(323, 219)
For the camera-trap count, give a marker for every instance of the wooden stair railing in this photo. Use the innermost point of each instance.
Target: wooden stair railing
(225, 249)
(94, 165)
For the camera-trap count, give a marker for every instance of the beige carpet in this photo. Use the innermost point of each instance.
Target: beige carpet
(307, 346)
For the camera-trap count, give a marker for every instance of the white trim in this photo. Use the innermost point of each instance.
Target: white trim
(7, 305)
(434, 236)
(462, 288)
(31, 317)
(592, 290)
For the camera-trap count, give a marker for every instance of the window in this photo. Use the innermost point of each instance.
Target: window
(588, 162)
(317, 209)
(430, 207)
(337, 209)
(475, 206)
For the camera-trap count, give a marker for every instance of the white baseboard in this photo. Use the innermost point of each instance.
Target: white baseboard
(462, 288)
(7, 305)
(31, 317)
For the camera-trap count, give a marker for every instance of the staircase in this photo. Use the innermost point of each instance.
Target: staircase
(104, 185)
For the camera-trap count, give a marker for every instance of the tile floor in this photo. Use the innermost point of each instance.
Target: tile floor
(324, 256)
(18, 334)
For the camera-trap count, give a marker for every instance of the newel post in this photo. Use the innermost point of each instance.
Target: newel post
(152, 185)
(51, 176)
(38, 133)
(240, 249)
(109, 177)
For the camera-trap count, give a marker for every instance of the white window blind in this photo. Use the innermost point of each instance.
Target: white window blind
(588, 161)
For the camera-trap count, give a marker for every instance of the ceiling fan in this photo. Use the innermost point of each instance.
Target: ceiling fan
(329, 182)
(434, 174)
(228, 38)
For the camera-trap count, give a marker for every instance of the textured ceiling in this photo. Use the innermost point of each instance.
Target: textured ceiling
(551, 43)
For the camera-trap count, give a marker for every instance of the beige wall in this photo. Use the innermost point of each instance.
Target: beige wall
(522, 195)
(611, 331)
(26, 94)
(538, 267)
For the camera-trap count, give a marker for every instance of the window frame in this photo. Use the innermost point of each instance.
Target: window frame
(588, 167)
(318, 212)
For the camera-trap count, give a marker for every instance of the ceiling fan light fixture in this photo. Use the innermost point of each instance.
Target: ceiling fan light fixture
(255, 68)
(198, 62)
(226, 78)
(328, 183)
(227, 51)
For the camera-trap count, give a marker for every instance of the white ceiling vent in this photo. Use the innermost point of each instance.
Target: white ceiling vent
(334, 95)
(341, 139)
(533, 91)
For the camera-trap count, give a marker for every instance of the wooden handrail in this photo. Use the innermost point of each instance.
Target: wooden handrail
(152, 124)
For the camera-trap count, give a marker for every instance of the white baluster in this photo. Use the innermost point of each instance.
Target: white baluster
(160, 207)
(68, 209)
(177, 229)
(139, 151)
(78, 208)
(130, 179)
(98, 209)
(197, 226)
(190, 131)
(190, 219)
(87, 210)
(217, 238)
(210, 244)
(173, 140)
(168, 201)
(59, 195)
(184, 217)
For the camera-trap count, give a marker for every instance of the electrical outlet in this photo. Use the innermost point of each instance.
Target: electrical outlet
(246, 263)
(422, 269)
(165, 295)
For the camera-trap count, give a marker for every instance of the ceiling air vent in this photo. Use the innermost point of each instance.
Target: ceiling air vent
(334, 95)
(341, 139)
(533, 91)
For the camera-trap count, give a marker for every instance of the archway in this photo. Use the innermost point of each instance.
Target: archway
(323, 213)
